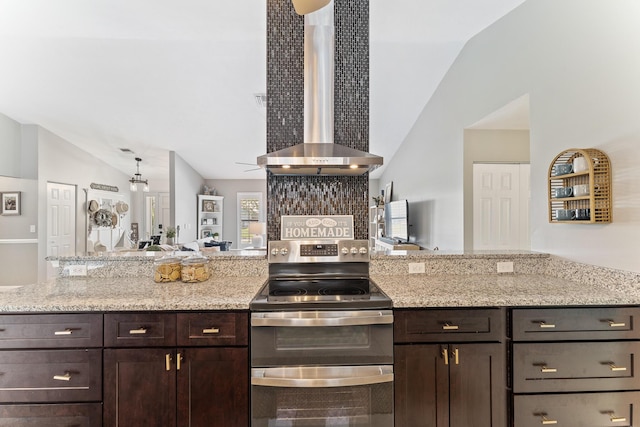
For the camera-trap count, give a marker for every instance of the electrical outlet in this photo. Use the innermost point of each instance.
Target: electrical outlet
(77, 270)
(505, 267)
(416, 267)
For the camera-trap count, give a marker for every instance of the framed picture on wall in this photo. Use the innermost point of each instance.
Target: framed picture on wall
(11, 203)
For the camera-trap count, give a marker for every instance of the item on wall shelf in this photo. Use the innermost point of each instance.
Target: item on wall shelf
(11, 203)
(580, 187)
(208, 205)
(388, 190)
(209, 191)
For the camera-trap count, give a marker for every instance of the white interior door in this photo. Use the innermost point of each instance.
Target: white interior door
(61, 219)
(501, 206)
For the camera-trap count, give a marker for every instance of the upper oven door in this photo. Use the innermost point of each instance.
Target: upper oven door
(363, 337)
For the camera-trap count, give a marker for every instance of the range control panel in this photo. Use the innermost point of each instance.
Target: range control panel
(308, 251)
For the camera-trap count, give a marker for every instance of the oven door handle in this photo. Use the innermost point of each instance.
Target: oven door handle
(311, 377)
(317, 319)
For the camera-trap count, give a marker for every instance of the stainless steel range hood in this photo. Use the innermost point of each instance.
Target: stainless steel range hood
(318, 155)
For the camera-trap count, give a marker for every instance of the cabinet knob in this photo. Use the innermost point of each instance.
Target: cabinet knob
(544, 325)
(545, 369)
(614, 324)
(449, 327)
(613, 418)
(544, 420)
(615, 368)
(65, 377)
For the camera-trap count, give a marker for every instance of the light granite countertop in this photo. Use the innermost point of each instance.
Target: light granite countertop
(498, 290)
(73, 294)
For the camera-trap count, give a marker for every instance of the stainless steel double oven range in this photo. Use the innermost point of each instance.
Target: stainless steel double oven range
(321, 339)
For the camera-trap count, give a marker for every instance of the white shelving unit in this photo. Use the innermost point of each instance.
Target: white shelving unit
(376, 224)
(210, 209)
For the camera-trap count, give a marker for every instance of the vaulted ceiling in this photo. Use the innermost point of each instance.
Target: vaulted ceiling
(155, 76)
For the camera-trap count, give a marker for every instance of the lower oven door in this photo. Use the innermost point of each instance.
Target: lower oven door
(360, 337)
(343, 396)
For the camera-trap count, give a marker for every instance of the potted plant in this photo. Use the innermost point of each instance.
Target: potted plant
(170, 235)
(216, 236)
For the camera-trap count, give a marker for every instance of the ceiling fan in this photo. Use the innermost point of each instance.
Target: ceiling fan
(249, 164)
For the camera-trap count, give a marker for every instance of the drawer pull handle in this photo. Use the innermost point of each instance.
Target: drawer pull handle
(613, 324)
(544, 325)
(456, 359)
(613, 418)
(67, 331)
(139, 331)
(65, 377)
(615, 368)
(445, 356)
(178, 361)
(167, 362)
(546, 370)
(547, 421)
(211, 331)
(449, 327)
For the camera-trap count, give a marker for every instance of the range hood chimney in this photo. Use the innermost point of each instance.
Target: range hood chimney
(318, 155)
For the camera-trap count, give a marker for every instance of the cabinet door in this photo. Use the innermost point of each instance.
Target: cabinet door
(477, 385)
(139, 387)
(421, 386)
(213, 387)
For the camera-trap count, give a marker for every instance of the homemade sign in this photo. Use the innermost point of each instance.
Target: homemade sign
(299, 227)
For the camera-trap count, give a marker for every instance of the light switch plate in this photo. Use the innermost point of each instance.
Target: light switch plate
(416, 267)
(77, 270)
(505, 267)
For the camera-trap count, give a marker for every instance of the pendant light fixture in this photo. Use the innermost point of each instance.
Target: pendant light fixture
(137, 179)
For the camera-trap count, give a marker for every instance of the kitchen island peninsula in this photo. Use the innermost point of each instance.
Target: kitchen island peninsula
(117, 321)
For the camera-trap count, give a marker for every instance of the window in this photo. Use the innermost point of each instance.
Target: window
(250, 209)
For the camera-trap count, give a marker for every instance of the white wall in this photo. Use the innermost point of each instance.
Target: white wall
(185, 185)
(229, 188)
(579, 61)
(64, 163)
(10, 143)
(18, 245)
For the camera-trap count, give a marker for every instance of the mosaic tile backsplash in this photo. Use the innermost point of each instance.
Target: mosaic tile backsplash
(314, 195)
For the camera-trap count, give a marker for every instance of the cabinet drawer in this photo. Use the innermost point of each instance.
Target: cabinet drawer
(50, 330)
(50, 375)
(76, 415)
(139, 329)
(449, 325)
(212, 329)
(577, 410)
(576, 324)
(584, 366)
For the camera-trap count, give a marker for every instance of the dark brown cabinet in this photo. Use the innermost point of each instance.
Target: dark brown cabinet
(51, 370)
(201, 385)
(575, 366)
(442, 379)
